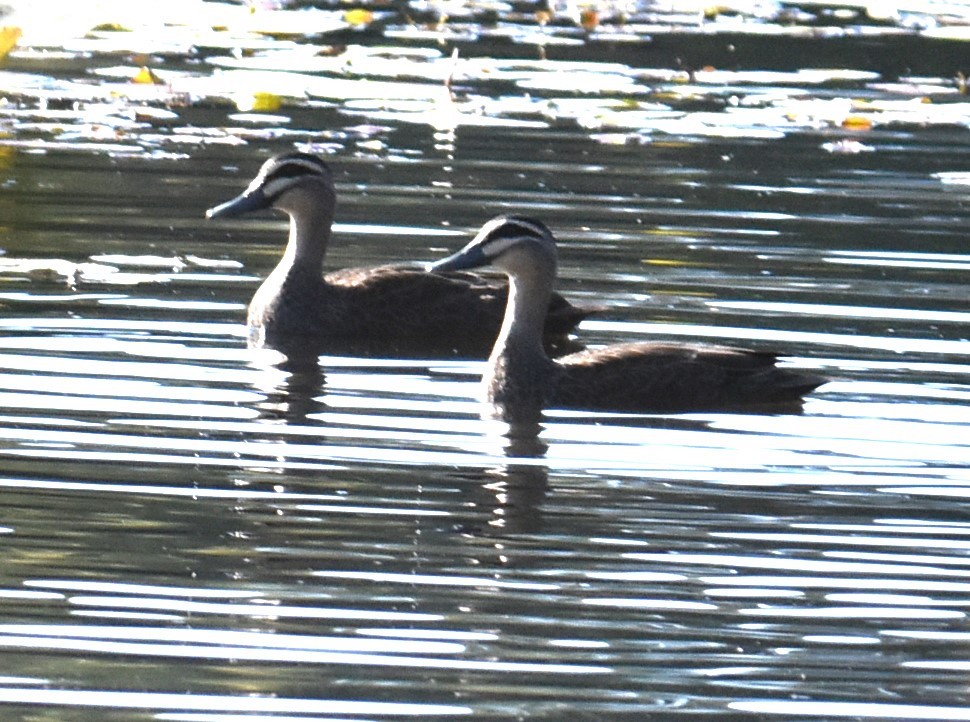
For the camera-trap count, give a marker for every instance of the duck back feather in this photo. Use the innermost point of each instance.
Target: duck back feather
(660, 377)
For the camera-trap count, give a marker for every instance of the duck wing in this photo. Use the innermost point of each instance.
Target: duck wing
(668, 377)
(457, 306)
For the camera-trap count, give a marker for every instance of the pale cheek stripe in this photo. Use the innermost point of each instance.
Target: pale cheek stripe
(499, 245)
(497, 248)
(274, 187)
(266, 180)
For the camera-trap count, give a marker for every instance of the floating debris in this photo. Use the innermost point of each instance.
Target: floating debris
(258, 102)
(251, 62)
(8, 39)
(147, 76)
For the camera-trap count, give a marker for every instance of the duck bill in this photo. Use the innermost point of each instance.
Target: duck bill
(463, 260)
(245, 203)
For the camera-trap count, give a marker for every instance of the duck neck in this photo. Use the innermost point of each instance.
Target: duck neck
(520, 338)
(307, 245)
(310, 227)
(518, 380)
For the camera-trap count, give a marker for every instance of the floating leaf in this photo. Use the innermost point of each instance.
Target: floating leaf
(146, 76)
(358, 17)
(258, 102)
(110, 28)
(669, 262)
(857, 122)
(8, 38)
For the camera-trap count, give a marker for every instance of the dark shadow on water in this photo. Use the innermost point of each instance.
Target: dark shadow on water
(300, 394)
(302, 391)
(456, 347)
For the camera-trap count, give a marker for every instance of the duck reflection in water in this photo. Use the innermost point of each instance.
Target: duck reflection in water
(653, 377)
(386, 310)
(293, 382)
(514, 492)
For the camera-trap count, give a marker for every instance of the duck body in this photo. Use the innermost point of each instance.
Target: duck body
(387, 308)
(660, 377)
(651, 377)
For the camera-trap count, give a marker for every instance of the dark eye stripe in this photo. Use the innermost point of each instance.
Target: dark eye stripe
(280, 173)
(504, 232)
(294, 166)
(515, 227)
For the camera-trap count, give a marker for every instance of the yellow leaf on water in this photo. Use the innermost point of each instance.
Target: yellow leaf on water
(8, 38)
(110, 28)
(358, 17)
(589, 18)
(259, 102)
(146, 76)
(667, 262)
(857, 122)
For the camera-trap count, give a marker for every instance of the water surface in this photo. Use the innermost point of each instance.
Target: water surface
(195, 530)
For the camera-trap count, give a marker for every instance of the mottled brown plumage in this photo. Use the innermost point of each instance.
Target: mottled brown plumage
(387, 309)
(522, 380)
(677, 377)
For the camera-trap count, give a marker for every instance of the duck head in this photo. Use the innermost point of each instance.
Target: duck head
(514, 244)
(295, 183)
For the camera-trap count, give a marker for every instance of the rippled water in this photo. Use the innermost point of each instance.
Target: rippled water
(193, 530)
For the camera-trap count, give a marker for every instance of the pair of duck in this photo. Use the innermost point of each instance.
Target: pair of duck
(443, 304)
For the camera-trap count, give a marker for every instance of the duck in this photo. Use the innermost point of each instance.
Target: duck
(521, 380)
(392, 308)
